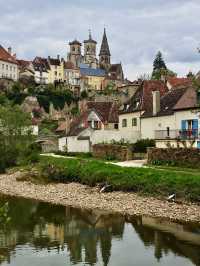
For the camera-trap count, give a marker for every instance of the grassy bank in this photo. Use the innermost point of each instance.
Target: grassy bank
(143, 180)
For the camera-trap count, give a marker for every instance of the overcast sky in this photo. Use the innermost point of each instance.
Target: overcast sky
(136, 30)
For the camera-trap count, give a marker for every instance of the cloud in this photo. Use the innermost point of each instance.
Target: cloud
(136, 30)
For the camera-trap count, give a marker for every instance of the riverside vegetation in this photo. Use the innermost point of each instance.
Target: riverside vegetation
(148, 181)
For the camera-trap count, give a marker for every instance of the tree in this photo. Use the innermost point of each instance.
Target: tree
(160, 69)
(16, 137)
(158, 66)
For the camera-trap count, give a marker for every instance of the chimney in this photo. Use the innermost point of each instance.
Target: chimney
(58, 57)
(156, 102)
(10, 50)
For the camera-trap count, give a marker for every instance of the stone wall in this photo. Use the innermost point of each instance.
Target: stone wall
(174, 156)
(112, 152)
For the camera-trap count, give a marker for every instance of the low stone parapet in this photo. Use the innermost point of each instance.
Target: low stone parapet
(112, 152)
(188, 157)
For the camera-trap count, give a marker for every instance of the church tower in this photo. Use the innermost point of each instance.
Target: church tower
(90, 52)
(104, 55)
(74, 55)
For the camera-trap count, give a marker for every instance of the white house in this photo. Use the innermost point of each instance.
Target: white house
(41, 69)
(8, 64)
(174, 120)
(131, 112)
(97, 124)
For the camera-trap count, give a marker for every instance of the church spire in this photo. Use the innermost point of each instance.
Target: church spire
(104, 46)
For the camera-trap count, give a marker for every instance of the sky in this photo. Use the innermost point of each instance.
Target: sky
(136, 30)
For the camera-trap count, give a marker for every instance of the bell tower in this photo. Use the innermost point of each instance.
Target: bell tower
(90, 51)
(74, 55)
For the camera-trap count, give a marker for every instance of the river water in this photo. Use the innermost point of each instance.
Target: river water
(41, 234)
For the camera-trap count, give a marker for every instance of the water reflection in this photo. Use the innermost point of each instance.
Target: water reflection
(87, 236)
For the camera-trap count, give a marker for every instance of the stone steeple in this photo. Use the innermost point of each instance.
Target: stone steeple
(104, 55)
(104, 46)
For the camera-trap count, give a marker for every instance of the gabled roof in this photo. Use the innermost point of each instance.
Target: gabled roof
(175, 82)
(40, 63)
(6, 56)
(176, 99)
(142, 99)
(24, 63)
(104, 45)
(54, 61)
(92, 72)
(106, 111)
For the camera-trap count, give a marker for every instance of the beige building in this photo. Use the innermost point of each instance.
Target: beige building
(8, 64)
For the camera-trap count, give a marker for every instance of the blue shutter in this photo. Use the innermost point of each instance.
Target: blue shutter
(198, 144)
(183, 124)
(195, 124)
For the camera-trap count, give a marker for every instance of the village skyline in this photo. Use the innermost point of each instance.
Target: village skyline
(135, 31)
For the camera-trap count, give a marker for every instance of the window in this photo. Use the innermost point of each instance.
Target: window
(55, 73)
(134, 122)
(124, 123)
(96, 124)
(116, 126)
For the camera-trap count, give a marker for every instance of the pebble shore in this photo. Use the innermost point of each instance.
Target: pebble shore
(80, 196)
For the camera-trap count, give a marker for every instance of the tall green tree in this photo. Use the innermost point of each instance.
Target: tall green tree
(16, 137)
(160, 69)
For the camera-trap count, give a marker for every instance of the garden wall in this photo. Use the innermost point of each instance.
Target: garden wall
(112, 152)
(174, 156)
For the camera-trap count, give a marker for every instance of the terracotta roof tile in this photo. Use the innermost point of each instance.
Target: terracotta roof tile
(5, 56)
(175, 82)
(142, 100)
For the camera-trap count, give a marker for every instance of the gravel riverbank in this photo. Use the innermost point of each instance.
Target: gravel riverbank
(81, 196)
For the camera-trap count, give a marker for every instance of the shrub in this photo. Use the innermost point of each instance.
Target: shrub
(142, 145)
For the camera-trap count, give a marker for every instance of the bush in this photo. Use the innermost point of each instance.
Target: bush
(142, 180)
(142, 145)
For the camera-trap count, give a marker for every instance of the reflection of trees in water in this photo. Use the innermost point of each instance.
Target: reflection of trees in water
(165, 242)
(86, 229)
(84, 232)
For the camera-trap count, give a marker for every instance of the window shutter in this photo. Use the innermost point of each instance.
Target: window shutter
(195, 124)
(183, 124)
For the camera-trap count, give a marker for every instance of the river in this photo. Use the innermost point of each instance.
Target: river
(41, 234)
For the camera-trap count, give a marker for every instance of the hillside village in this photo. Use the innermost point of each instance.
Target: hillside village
(82, 99)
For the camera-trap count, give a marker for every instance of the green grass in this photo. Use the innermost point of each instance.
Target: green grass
(149, 181)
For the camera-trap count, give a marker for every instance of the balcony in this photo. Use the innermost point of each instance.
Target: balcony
(177, 134)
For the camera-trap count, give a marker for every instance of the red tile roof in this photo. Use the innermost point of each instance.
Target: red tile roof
(23, 63)
(5, 56)
(178, 99)
(142, 100)
(107, 112)
(175, 82)
(69, 65)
